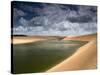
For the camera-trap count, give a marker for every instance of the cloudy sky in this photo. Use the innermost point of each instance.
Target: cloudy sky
(53, 19)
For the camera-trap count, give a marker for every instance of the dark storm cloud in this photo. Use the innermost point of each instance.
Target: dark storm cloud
(80, 19)
(54, 19)
(85, 14)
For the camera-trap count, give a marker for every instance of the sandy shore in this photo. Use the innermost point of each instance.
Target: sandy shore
(84, 58)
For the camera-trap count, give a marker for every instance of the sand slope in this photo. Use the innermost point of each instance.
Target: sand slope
(84, 58)
(82, 38)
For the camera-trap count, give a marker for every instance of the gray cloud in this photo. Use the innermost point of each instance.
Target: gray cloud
(85, 14)
(55, 20)
(63, 28)
(17, 13)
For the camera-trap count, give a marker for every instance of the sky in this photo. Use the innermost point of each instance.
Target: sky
(33, 18)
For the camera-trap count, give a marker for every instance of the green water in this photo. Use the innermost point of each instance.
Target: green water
(41, 56)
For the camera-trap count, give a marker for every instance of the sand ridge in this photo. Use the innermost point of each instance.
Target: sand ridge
(81, 38)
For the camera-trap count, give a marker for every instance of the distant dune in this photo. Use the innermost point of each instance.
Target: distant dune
(84, 58)
(82, 38)
(27, 39)
(20, 41)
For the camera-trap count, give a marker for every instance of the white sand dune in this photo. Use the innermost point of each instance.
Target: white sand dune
(84, 58)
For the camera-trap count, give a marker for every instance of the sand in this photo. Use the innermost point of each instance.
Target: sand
(29, 39)
(81, 38)
(21, 40)
(83, 58)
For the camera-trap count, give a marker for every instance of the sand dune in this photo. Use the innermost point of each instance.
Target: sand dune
(81, 38)
(21, 40)
(29, 39)
(84, 58)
